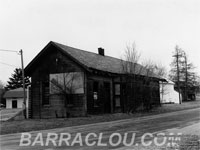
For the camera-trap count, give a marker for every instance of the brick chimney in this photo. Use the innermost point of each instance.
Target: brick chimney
(101, 51)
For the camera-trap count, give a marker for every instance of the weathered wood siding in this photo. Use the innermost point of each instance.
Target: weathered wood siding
(54, 62)
(134, 91)
(105, 94)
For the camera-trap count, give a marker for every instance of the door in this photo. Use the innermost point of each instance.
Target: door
(107, 99)
(98, 97)
(14, 103)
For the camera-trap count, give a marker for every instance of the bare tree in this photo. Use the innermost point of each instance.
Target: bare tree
(175, 74)
(149, 71)
(2, 85)
(130, 67)
(66, 85)
(131, 57)
(188, 74)
(182, 73)
(134, 71)
(155, 70)
(161, 72)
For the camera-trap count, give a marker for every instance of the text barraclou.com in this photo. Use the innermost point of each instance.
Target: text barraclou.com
(93, 139)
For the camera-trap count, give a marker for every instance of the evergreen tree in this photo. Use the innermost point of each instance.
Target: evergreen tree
(15, 81)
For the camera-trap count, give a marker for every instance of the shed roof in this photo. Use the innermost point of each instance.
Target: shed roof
(16, 93)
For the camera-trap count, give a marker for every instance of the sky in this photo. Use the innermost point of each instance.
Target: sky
(155, 26)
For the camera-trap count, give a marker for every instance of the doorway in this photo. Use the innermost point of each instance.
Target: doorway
(107, 99)
(14, 103)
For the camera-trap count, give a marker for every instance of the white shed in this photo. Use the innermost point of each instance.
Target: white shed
(14, 98)
(167, 92)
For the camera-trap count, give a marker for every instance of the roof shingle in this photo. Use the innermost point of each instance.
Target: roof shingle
(92, 61)
(99, 62)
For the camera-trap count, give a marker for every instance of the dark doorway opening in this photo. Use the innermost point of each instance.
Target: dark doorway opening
(14, 103)
(98, 97)
(107, 99)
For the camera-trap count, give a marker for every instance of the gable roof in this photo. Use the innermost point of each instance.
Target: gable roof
(92, 60)
(16, 93)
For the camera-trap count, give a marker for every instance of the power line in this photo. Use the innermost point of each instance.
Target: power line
(6, 50)
(8, 64)
(20, 53)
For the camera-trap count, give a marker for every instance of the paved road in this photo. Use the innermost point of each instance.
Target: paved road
(103, 133)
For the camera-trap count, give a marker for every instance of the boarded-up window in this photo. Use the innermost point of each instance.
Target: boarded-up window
(72, 83)
(117, 89)
(117, 102)
(117, 95)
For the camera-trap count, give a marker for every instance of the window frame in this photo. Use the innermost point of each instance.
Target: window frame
(117, 96)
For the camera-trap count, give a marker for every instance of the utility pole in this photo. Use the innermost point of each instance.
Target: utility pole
(22, 63)
(186, 76)
(24, 92)
(178, 71)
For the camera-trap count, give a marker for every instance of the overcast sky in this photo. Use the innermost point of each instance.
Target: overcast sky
(156, 26)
